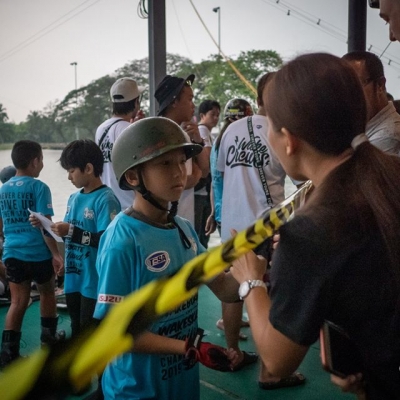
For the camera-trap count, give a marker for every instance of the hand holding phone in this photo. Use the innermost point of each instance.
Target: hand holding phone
(339, 354)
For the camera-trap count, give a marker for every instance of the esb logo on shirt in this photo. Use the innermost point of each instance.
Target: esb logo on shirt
(157, 261)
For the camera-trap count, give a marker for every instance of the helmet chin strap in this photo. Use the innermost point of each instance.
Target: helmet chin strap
(146, 194)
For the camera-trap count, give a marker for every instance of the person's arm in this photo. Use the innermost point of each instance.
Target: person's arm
(194, 177)
(202, 159)
(58, 262)
(211, 224)
(280, 355)
(225, 287)
(77, 234)
(151, 343)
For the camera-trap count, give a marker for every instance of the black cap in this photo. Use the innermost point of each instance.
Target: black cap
(169, 88)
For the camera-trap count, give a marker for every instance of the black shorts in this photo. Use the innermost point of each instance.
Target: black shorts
(19, 271)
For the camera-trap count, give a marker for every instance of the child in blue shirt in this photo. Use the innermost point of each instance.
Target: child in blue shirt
(146, 242)
(89, 211)
(28, 254)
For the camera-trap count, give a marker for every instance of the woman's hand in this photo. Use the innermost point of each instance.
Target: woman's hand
(249, 266)
(351, 384)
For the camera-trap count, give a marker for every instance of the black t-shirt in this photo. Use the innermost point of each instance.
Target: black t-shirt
(344, 279)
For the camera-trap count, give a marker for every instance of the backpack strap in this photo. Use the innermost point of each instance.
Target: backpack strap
(106, 131)
(259, 162)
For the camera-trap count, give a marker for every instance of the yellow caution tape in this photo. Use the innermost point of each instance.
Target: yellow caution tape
(73, 365)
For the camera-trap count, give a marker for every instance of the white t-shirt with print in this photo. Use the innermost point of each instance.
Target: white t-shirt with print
(243, 197)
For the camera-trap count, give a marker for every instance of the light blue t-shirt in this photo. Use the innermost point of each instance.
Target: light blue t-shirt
(91, 212)
(131, 254)
(217, 183)
(22, 240)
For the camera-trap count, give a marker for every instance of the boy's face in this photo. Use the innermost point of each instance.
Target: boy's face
(165, 176)
(185, 104)
(78, 178)
(38, 165)
(210, 118)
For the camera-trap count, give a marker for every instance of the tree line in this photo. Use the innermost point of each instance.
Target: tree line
(84, 109)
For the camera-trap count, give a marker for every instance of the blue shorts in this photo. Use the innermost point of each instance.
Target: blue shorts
(19, 271)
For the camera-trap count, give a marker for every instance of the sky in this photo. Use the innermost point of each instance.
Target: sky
(41, 38)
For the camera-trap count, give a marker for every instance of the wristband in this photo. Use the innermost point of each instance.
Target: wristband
(70, 230)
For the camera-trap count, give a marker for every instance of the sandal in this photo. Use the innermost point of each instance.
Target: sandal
(295, 379)
(220, 325)
(248, 359)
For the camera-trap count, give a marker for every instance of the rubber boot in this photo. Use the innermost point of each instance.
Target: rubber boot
(9, 347)
(49, 334)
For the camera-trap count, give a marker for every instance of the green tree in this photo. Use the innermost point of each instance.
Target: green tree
(84, 109)
(217, 80)
(6, 128)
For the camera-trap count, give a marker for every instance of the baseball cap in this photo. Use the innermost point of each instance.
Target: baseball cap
(169, 88)
(124, 90)
(7, 173)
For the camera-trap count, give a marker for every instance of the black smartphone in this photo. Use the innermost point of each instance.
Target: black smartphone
(339, 354)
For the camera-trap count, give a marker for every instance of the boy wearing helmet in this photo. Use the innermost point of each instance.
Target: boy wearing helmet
(146, 242)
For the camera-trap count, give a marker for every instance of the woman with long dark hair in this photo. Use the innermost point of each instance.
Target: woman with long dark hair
(338, 260)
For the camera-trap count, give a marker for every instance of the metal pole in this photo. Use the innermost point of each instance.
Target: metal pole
(219, 29)
(157, 49)
(357, 25)
(75, 65)
(218, 10)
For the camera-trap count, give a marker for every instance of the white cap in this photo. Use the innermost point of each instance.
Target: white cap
(124, 90)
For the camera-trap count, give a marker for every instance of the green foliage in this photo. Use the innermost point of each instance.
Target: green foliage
(6, 129)
(84, 109)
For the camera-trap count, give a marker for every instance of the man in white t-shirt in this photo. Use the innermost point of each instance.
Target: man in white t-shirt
(245, 198)
(209, 111)
(125, 96)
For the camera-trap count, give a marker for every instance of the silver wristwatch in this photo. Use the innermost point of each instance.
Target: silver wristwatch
(246, 286)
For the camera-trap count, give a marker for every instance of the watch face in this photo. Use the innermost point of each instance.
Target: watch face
(244, 289)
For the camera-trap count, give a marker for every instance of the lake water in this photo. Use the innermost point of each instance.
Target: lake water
(53, 175)
(61, 188)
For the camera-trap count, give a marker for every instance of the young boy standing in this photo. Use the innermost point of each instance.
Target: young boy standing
(89, 211)
(28, 254)
(146, 242)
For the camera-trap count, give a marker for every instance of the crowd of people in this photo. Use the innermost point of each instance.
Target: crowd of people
(151, 190)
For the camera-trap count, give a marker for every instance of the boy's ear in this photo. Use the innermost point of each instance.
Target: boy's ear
(89, 168)
(132, 177)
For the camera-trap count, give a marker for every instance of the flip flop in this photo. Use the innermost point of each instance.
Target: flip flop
(248, 359)
(220, 325)
(295, 379)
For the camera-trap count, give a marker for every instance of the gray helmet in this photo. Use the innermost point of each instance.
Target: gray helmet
(146, 139)
(7, 173)
(237, 108)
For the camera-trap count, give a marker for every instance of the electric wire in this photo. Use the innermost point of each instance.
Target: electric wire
(44, 31)
(226, 58)
(329, 29)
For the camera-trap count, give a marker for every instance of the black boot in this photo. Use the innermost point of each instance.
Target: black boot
(50, 335)
(9, 347)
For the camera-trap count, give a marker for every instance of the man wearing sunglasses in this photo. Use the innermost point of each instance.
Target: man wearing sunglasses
(383, 126)
(125, 96)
